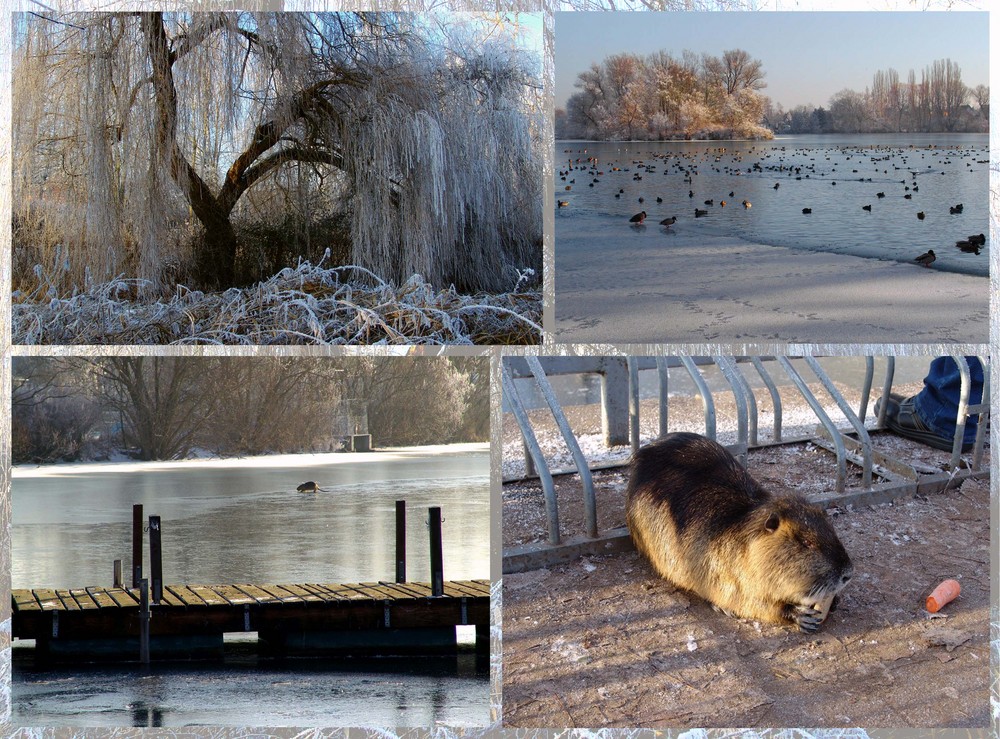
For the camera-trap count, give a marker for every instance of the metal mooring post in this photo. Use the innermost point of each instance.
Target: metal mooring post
(136, 544)
(400, 541)
(437, 568)
(155, 559)
(118, 573)
(144, 621)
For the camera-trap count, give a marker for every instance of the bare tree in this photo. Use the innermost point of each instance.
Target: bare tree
(139, 118)
(164, 401)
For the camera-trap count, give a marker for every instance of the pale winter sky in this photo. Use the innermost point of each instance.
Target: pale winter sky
(807, 56)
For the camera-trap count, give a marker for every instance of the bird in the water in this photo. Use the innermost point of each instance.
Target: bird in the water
(308, 487)
(669, 221)
(866, 207)
(807, 211)
(699, 213)
(921, 215)
(926, 258)
(659, 199)
(955, 209)
(978, 239)
(638, 217)
(747, 204)
(563, 203)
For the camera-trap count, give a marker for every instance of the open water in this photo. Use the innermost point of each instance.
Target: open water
(834, 176)
(242, 521)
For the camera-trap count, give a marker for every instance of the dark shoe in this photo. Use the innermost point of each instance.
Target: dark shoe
(906, 422)
(892, 408)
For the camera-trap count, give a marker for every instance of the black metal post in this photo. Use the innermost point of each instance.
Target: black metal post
(400, 541)
(437, 568)
(155, 559)
(136, 544)
(144, 621)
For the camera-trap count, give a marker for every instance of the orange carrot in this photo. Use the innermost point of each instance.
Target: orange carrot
(943, 594)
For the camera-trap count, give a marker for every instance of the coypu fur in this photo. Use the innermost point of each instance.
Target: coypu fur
(707, 526)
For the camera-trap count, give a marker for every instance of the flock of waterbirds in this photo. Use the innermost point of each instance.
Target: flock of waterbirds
(689, 164)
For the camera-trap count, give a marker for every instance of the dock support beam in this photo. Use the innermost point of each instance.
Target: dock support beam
(136, 544)
(437, 565)
(144, 621)
(155, 559)
(400, 541)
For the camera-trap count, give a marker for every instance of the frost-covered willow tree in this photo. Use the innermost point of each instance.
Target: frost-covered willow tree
(141, 130)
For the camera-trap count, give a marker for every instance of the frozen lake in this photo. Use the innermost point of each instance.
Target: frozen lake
(936, 171)
(242, 520)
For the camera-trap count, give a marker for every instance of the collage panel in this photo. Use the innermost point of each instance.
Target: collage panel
(695, 542)
(267, 178)
(712, 185)
(697, 438)
(250, 541)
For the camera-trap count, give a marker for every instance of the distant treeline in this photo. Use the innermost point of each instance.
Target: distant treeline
(938, 102)
(660, 97)
(74, 408)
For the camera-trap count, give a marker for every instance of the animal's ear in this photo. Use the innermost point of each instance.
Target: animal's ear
(772, 522)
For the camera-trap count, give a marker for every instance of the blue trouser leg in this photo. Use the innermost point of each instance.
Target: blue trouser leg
(937, 403)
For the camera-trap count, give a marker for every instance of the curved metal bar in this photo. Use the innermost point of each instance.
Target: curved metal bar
(706, 395)
(661, 371)
(866, 391)
(751, 403)
(582, 466)
(548, 488)
(984, 416)
(725, 364)
(890, 371)
(852, 418)
(773, 390)
(838, 441)
(963, 408)
(633, 403)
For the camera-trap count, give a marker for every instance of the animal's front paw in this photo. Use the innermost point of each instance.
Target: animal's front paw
(807, 618)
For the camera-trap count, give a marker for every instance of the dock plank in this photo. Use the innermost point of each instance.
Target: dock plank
(386, 592)
(401, 590)
(24, 600)
(302, 593)
(83, 599)
(362, 592)
(187, 596)
(257, 593)
(282, 593)
(168, 598)
(419, 589)
(234, 595)
(208, 595)
(101, 598)
(323, 593)
(48, 600)
(68, 601)
(122, 598)
(468, 588)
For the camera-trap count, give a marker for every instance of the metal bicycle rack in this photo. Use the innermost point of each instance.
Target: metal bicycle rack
(620, 423)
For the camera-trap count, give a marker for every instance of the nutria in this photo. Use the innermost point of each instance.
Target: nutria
(707, 526)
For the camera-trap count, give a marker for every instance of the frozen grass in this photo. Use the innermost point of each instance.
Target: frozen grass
(307, 305)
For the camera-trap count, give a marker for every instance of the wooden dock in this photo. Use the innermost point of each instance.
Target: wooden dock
(190, 620)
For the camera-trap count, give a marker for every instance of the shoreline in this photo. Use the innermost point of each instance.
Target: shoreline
(696, 289)
(23, 470)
